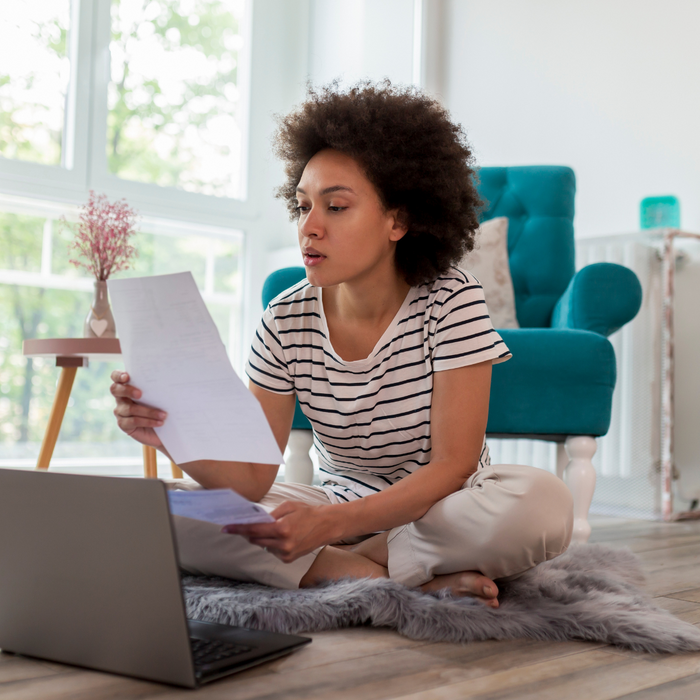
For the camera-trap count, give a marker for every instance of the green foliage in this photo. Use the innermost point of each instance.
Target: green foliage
(142, 109)
(26, 387)
(16, 137)
(20, 242)
(57, 41)
(25, 132)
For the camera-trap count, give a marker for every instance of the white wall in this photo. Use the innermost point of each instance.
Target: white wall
(278, 73)
(351, 40)
(609, 87)
(357, 39)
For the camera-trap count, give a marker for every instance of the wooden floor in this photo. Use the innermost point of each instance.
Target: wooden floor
(370, 664)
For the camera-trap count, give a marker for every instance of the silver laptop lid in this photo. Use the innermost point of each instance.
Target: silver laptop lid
(89, 576)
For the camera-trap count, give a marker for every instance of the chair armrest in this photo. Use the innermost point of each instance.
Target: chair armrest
(601, 298)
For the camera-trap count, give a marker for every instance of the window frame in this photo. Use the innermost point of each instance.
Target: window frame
(61, 182)
(84, 158)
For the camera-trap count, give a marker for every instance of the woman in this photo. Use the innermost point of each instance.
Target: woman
(389, 349)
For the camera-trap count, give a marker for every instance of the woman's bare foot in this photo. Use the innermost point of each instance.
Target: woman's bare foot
(466, 583)
(371, 558)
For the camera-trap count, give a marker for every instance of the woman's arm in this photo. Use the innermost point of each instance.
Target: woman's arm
(249, 479)
(459, 413)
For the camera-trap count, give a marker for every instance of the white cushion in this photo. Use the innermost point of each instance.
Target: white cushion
(488, 262)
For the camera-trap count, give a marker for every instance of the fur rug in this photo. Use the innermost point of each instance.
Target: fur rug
(589, 593)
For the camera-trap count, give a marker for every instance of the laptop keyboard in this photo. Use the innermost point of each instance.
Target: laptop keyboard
(212, 651)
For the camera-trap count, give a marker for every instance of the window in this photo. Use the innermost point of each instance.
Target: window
(142, 99)
(43, 296)
(34, 77)
(146, 99)
(174, 100)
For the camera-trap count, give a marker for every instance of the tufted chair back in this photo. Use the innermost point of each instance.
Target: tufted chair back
(539, 203)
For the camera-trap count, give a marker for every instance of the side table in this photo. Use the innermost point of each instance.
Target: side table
(70, 354)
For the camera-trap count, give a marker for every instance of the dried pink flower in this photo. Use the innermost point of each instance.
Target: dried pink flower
(102, 236)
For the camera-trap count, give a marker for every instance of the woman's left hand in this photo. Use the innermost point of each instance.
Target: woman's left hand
(298, 529)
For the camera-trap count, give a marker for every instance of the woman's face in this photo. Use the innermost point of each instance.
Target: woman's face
(345, 234)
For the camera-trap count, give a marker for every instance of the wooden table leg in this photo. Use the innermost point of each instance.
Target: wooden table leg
(150, 463)
(58, 410)
(177, 472)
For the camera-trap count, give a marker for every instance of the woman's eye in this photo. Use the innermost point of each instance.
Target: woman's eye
(303, 208)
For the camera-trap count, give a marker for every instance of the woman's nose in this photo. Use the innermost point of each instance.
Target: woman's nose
(311, 224)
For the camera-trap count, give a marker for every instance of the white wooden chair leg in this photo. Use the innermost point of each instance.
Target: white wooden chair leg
(562, 460)
(299, 469)
(580, 478)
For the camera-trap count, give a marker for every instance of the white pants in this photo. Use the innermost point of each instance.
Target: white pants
(505, 520)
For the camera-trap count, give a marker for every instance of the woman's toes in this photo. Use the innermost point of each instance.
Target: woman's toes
(471, 583)
(487, 586)
(466, 583)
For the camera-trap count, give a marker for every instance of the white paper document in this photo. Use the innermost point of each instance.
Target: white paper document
(174, 355)
(220, 506)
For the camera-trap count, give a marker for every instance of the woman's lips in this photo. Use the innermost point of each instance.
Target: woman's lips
(312, 259)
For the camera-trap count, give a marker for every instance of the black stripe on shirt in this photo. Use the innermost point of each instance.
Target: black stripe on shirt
(419, 438)
(378, 432)
(459, 308)
(301, 330)
(271, 334)
(349, 478)
(442, 358)
(377, 458)
(272, 376)
(464, 338)
(328, 381)
(298, 287)
(357, 412)
(331, 486)
(265, 360)
(376, 418)
(274, 390)
(306, 314)
(412, 380)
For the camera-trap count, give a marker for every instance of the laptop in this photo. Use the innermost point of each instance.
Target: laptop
(89, 576)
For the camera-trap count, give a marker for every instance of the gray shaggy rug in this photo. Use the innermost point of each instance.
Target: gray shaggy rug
(589, 593)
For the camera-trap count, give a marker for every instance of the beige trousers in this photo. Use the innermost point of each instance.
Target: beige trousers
(505, 520)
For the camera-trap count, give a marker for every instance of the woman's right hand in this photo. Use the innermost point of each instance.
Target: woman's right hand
(135, 420)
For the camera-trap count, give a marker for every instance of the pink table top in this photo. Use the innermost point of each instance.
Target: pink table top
(105, 349)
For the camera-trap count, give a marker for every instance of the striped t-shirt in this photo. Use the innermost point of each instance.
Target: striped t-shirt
(371, 417)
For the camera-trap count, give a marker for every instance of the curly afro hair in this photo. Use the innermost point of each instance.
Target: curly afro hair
(417, 159)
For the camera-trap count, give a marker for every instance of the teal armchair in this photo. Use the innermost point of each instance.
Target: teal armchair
(559, 384)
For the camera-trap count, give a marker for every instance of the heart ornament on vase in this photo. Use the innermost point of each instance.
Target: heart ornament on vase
(98, 327)
(100, 321)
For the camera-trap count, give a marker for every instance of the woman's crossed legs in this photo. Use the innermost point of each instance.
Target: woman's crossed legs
(507, 519)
